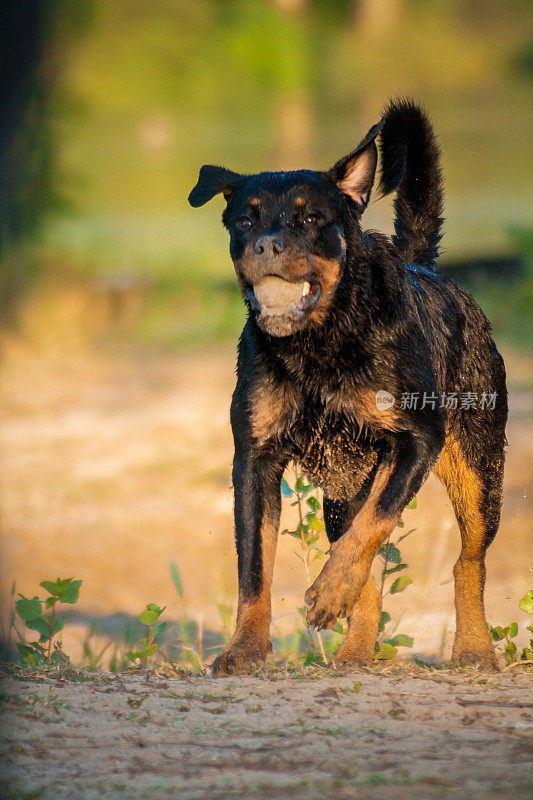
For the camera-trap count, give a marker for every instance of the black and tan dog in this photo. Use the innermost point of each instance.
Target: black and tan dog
(363, 364)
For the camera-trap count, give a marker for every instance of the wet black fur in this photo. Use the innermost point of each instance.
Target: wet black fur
(410, 163)
(395, 324)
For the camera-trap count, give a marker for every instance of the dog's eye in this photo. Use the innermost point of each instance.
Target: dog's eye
(312, 219)
(245, 222)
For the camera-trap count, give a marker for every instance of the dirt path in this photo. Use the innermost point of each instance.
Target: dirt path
(370, 734)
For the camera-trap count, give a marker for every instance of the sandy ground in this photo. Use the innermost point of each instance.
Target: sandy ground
(393, 731)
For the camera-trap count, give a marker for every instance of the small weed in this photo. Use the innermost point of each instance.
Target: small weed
(136, 713)
(9, 699)
(345, 775)
(507, 634)
(355, 689)
(34, 705)
(397, 711)
(307, 532)
(140, 717)
(191, 633)
(136, 702)
(148, 617)
(40, 615)
(94, 657)
(206, 697)
(392, 564)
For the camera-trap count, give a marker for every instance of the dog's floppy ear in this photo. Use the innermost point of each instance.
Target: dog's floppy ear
(354, 174)
(211, 181)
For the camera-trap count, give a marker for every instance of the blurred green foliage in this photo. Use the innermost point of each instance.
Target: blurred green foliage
(150, 92)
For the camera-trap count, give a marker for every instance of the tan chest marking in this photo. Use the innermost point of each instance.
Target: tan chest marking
(362, 406)
(374, 417)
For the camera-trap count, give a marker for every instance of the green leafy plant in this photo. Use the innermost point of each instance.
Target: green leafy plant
(307, 532)
(148, 617)
(526, 605)
(40, 615)
(392, 564)
(506, 635)
(509, 632)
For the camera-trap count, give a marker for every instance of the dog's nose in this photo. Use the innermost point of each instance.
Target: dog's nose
(269, 246)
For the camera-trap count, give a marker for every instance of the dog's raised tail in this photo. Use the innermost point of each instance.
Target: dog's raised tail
(410, 164)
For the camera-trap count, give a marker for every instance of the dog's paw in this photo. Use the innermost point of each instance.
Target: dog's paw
(333, 594)
(326, 600)
(350, 658)
(240, 658)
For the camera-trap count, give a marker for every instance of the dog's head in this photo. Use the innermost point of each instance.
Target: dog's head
(288, 232)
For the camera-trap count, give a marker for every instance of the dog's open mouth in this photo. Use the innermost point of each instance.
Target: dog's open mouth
(275, 296)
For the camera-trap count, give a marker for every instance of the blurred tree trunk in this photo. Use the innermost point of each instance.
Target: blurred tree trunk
(294, 131)
(373, 23)
(291, 6)
(293, 111)
(26, 77)
(30, 52)
(373, 18)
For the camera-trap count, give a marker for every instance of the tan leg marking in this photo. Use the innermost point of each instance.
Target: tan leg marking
(250, 643)
(358, 645)
(271, 410)
(472, 641)
(340, 584)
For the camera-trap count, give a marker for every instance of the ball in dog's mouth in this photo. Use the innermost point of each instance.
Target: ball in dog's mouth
(283, 306)
(278, 296)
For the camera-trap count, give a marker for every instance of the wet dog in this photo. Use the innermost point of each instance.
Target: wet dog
(362, 363)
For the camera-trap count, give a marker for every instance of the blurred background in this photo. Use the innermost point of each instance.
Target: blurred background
(120, 310)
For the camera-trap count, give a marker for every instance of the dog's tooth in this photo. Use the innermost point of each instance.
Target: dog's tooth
(307, 288)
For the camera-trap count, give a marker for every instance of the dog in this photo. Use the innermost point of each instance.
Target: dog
(360, 362)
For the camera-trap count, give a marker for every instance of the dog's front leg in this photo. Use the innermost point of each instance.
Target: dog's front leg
(399, 477)
(256, 483)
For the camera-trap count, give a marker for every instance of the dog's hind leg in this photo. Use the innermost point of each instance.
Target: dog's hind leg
(475, 490)
(363, 619)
